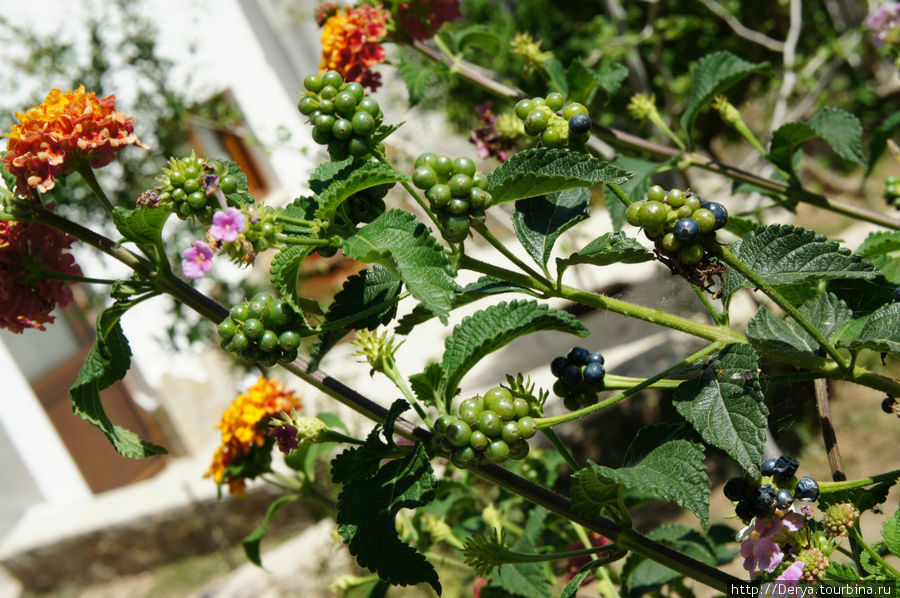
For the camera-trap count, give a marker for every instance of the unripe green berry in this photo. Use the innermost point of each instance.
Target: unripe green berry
(424, 177)
(656, 193)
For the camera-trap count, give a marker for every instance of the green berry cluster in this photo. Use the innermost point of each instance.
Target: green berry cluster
(262, 229)
(542, 119)
(492, 428)
(183, 186)
(677, 222)
(262, 330)
(892, 190)
(343, 118)
(457, 193)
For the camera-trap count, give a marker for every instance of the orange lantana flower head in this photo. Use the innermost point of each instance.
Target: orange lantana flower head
(351, 43)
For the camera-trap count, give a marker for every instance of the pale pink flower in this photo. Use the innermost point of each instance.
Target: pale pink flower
(227, 224)
(196, 260)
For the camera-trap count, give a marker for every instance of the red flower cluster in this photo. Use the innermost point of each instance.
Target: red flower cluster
(421, 20)
(67, 128)
(487, 140)
(28, 295)
(351, 43)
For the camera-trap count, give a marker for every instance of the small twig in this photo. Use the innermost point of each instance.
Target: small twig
(824, 408)
(741, 30)
(790, 57)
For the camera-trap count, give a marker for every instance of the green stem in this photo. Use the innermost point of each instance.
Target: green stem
(614, 382)
(412, 191)
(732, 260)
(390, 370)
(291, 240)
(657, 120)
(563, 450)
(830, 487)
(716, 317)
(854, 533)
(499, 246)
(442, 559)
(87, 173)
(41, 271)
(741, 127)
(296, 221)
(546, 422)
(504, 555)
(621, 195)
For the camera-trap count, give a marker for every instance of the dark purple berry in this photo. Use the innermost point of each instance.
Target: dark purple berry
(768, 467)
(718, 211)
(735, 488)
(580, 124)
(887, 405)
(897, 295)
(558, 365)
(578, 356)
(783, 499)
(744, 511)
(571, 375)
(593, 373)
(807, 489)
(786, 467)
(686, 229)
(763, 500)
(596, 357)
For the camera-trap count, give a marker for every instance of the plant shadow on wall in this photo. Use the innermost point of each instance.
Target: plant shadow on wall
(505, 514)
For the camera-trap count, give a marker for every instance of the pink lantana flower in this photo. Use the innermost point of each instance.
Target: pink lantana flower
(196, 260)
(792, 574)
(761, 554)
(227, 224)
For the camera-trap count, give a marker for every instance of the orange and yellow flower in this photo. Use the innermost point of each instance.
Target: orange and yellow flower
(69, 129)
(244, 427)
(351, 43)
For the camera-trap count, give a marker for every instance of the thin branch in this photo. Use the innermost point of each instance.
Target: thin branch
(835, 463)
(742, 31)
(790, 57)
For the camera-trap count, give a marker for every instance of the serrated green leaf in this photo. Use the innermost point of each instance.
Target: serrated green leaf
(592, 492)
(726, 405)
(363, 174)
(785, 255)
(889, 267)
(252, 541)
(539, 171)
(539, 221)
(373, 292)
(366, 510)
(785, 141)
(143, 226)
(880, 136)
(487, 330)
(611, 77)
(327, 173)
(483, 287)
(425, 385)
(556, 75)
(739, 227)
(879, 243)
(572, 587)
(302, 208)
(635, 188)
(285, 273)
(862, 498)
(404, 246)
(890, 533)
(664, 460)
(480, 36)
(360, 462)
(881, 332)
(841, 572)
(829, 313)
(418, 79)
(583, 82)
(385, 131)
(714, 74)
(106, 363)
(609, 248)
(842, 131)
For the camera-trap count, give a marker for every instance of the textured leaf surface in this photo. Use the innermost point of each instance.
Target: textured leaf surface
(539, 221)
(664, 461)
(591, 492)
(785, 255)
(417, 78)
(584, 82)
(357, 176)
(878, 244)
(878, 141)
(881, 331)
(396, 241)
(252, 541)
(106, 363)
(609, 248)
(714, 74)
(483, 287)
(285, 273)
(829, 313)
(489, 329)
(785, 141)
(479, 36)
(142, 225)
(374, 292)
(726, 406)
(540, 171)
(365, 516)
(890, 533)
(840, 129)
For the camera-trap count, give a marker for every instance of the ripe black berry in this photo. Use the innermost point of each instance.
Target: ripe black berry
(735, 488)
(786, 467)
(580, 123)
(572, 375)
(718, 211)
(897, 295)
(596, 357)
(594, 373)
(578, 356)
(768, 467)
(807, 489)
(783, 499)
(763, 500)
(558, 365)
(744, 510)
(686, 229)
(887, 405)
